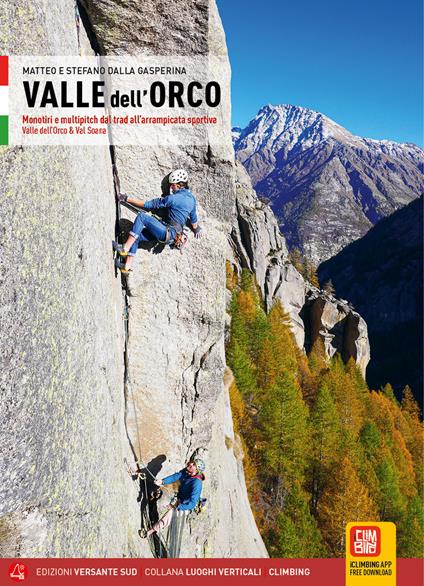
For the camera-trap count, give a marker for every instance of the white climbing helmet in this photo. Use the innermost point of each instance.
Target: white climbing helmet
(200, 465)
(178, 176)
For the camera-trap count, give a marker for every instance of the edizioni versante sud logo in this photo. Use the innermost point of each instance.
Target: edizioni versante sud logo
(18, 572)
(365, 541)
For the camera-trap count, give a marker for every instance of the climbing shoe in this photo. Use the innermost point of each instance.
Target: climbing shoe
(121, 266)
(119, 248)
(142, 533)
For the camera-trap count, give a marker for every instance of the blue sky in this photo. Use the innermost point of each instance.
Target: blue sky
(360, 63)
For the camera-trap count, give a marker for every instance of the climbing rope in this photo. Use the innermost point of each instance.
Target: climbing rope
(183, 517)
(172, 535)
(175, 533)
(77, 25)
(147, 518)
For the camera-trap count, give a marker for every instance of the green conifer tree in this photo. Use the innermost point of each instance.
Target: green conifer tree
(389, 392)
(283, 421)
(349, 403)
(392, 504)
(298, 534)
(410, 532)
(288, 453)
(243, 369)
(326, 443)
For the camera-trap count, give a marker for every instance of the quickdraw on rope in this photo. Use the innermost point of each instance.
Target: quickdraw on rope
(180, 241)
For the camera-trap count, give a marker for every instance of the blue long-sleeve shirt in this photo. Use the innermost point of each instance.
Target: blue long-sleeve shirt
(180, 206)
(189, 491)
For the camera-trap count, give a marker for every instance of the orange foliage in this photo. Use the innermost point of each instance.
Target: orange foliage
(245, 431)
(345, 500)
(247, 305)
(349, 404)
(409, 405)
(384, 467)
(267, 366)
(308, 382)
(381, 413)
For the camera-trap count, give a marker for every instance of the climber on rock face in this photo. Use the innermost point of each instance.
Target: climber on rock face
(189, 492)
(179, 207)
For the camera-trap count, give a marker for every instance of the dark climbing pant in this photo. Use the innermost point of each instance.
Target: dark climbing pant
(147, 228)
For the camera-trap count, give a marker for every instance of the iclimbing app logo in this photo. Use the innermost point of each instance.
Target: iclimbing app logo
(365, 541)
(18, 572)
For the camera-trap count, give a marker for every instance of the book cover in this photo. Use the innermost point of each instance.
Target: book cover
(211, 293)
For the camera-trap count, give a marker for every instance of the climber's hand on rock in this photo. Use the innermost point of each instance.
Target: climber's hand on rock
(122, 197)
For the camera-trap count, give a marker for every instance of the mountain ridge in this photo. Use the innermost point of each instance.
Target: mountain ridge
(382, 275)
(269, 107)
(326, 185)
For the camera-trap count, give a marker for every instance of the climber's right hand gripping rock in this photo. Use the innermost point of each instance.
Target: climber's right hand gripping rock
(122, 197)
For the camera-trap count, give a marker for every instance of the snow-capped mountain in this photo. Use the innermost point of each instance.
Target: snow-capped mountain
(327, 186)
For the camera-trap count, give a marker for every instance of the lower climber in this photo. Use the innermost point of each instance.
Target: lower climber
(189, 492)
(179, 207)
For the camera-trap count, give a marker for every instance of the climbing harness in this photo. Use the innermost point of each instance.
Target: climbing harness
(180, 239)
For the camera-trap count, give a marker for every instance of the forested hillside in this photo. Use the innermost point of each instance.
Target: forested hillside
(320, 448)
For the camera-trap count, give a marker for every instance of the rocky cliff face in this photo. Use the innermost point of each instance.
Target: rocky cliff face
(63, 440)
(382, 274)
(257, 244)
(326, 186)
(91, 376)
